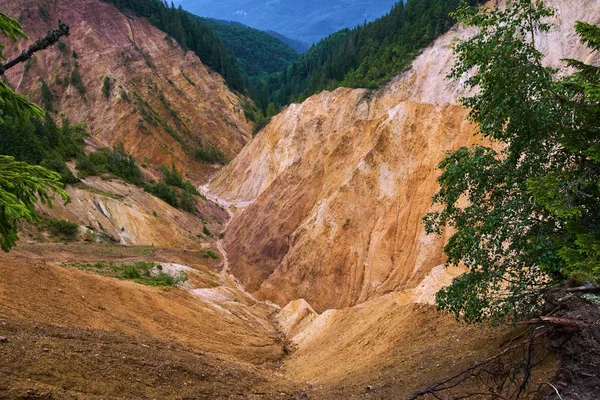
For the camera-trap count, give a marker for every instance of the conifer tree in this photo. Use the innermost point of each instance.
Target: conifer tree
(21, 185)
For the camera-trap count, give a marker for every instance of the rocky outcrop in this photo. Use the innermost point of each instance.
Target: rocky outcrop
(337, 185)
(161, 102)
(126, 214)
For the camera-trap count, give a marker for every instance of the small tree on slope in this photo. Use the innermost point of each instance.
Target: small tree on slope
(21, 184)
(533, 208)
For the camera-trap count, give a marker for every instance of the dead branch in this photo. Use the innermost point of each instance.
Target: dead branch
(589, 288)
(563, 323)
(497, 370)
(52, 37)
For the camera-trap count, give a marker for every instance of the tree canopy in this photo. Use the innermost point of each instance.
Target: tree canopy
(526, 208)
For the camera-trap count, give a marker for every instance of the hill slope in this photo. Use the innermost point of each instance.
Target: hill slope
(258, 52)
(163, 102)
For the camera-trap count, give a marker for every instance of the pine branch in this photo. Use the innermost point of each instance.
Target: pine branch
(51, 38)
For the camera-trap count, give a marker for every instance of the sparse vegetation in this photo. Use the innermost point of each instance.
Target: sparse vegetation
(167, 190)
(106, 87)
(210, 154)
(188, 79)
(43, 13)
(76, 80)
(62, 47)
(47, 97)
(145, 273)
(114, 161)
(209, 254)
(64, 229)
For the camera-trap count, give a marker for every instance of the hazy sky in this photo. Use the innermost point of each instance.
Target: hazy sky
(307, 20)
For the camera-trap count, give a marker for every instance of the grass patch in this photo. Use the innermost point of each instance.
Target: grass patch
(144, 273)
(87, 188)
(209, 254)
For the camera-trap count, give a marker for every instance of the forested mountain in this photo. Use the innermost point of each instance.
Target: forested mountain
(297, 45)
(191, 34)
(258, 52)
(306, 20)
(365, 56)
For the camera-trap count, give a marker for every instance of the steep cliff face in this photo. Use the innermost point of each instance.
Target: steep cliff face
(333, 190)
(160, 102)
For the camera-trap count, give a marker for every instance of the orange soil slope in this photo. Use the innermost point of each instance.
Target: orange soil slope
(333, 189)
(150, 76)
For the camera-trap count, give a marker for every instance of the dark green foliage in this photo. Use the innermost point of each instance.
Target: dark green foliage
(186, 202)
(21, 185)
(65, 229)
(43, 13)
(43, 142)
(298, 45)
(362, 57)
(570, 190)
(114, 161)
(209, 254)
(106, 87)
(209, 153)
(47, 97)
(171, 176)
(188, 79)
(164, 192)
(62, 47)
(191, 34)
(206, 231)
(532, 213)
(76, 80)
(257, 52)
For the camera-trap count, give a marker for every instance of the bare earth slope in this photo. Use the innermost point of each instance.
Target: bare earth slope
(163, 102)
(335, 188)
(327, 203)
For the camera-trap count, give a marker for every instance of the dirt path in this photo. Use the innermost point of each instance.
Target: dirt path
(226, 276)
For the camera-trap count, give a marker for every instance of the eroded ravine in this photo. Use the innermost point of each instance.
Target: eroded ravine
(228, 279)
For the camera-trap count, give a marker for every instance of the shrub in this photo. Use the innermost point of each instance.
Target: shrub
(65, 229)
(47, 97)
(106, 87)
(62, 47)
(209, 154)
(131, 272)
(209, 254)
(76, 80)
(43, 13)
(163, 192)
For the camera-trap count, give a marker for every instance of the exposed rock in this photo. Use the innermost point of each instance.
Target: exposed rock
(335, 187)
(294, 317)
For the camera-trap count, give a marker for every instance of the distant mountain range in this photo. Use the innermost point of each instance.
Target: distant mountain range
(308, 21)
